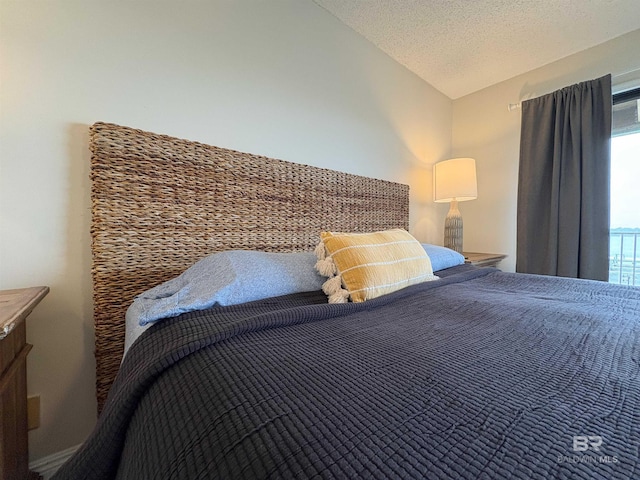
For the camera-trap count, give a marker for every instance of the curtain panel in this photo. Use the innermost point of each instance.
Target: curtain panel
(563, 182)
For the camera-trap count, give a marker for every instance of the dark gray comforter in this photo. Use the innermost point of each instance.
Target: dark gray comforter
(482, 374)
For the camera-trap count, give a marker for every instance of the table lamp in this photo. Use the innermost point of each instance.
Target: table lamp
(454, 181)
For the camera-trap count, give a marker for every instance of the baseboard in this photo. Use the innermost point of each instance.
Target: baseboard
(49, 465)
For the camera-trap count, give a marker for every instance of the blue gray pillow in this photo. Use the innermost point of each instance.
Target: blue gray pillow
(239, 276)
(442, 257)
(227, 278)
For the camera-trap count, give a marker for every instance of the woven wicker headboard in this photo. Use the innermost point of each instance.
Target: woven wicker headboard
(160, 203)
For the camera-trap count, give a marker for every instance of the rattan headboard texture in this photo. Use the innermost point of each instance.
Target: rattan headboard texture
(160, 203)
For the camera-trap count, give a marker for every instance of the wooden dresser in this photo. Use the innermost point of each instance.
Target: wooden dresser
(15, 306)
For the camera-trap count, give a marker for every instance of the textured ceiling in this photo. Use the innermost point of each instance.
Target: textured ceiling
(461, 46)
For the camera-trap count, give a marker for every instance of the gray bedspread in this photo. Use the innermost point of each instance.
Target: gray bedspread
(481, 375)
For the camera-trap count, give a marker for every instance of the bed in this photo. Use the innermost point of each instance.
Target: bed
(478, 374)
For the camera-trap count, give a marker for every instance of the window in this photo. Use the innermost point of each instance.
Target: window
(624, 248)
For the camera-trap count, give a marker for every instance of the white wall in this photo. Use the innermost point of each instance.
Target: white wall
(280, 78)
(483, 128)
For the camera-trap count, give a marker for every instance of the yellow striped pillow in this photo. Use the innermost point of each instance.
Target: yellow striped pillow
(362, 266)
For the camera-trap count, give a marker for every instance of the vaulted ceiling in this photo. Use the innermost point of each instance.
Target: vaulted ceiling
(461, 46)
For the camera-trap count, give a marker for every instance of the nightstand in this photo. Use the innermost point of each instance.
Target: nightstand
(15, 306)
(483, 259)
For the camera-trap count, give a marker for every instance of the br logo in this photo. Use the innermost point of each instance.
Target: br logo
(582, 443)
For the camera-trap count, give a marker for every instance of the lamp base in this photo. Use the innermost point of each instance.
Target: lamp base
(453, 228)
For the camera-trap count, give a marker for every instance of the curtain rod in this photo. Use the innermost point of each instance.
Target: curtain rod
(514, 106)
(626, 73)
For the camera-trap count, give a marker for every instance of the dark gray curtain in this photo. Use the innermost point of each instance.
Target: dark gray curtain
(563, 182)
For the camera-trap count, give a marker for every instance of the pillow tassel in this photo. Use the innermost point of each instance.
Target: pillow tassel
(320, 251)
(326, 267)
(333, 285)
(340, 296)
